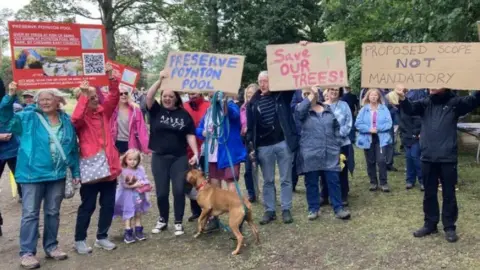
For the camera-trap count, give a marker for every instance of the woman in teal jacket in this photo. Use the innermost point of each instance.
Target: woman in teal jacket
(41, 170)
(373, 124)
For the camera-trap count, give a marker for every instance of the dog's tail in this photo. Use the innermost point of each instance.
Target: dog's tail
(249, 219)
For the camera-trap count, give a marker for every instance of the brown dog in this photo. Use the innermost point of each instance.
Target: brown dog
(216, 201)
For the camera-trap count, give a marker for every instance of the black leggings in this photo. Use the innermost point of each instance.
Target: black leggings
(164, 169)
(12, 163)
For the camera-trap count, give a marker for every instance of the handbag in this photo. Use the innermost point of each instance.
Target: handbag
(95, 169)
(69, 187)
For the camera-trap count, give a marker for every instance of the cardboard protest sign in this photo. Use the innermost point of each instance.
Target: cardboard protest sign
(293, 66)
(203, 72)
(421, 65)
(127, 76)
(58, 55)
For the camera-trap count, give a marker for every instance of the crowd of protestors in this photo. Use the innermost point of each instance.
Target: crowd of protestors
(309, 132)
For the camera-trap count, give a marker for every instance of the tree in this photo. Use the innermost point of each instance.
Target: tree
(136, 15)
(358, 22)
(243, 27)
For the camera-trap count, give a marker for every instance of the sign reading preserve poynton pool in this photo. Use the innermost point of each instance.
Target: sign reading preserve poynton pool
(293, 66)
(57, 55)
(421, 65)
(203, 72)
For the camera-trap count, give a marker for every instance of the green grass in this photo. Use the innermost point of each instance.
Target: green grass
(379, 235)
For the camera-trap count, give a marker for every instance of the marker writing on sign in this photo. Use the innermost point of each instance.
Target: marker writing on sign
(297, 66)
(199, 70)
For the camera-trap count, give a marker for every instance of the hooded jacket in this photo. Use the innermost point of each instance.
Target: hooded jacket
(197, 109)
(137, 130)
(34, 161)
(439, 114)
(94, 125)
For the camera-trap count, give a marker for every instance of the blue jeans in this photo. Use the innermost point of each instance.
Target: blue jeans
(51, 193)
(414, 166)
(332, 188)
(268, 156)
(250, 177)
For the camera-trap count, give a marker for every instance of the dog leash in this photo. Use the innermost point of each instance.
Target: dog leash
(218, 114)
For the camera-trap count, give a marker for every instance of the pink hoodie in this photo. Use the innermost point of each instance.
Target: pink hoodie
(138, 134)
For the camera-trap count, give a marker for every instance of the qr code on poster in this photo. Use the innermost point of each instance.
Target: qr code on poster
(94, 64)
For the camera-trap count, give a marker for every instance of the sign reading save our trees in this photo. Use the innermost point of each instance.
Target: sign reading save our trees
(293, 66)
(421, 65)
(57, 55)
(203, 72)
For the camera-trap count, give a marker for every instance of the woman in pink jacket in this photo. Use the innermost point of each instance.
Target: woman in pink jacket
(128, 126)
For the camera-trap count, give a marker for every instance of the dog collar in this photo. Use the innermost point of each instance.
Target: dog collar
(202, 185)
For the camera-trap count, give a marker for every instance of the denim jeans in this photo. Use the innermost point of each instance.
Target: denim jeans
(414, 166)
(268, 156)
(51, 193)
(89, 194)
(330, 188)
(250, 178)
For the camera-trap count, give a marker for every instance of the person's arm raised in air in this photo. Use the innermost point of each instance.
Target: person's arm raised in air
(410, 108)
(13, 121)
(152, 92)
(467, 104)
(110, 101)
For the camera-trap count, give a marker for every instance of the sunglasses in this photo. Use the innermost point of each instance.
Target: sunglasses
(124, 94)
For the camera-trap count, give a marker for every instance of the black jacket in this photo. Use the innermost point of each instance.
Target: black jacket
(284, 114)
(439, 114)
(409, 127)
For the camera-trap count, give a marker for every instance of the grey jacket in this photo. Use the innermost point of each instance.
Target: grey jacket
(320, 139)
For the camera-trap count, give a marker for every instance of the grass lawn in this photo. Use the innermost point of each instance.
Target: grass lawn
(379, 235)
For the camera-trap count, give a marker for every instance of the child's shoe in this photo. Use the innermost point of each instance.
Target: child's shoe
(139, 234)
(128, 236)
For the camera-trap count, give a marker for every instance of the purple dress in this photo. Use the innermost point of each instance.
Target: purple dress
(128, 201)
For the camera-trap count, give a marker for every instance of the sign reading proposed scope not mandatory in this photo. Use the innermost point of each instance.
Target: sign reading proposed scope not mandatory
(421, 65)
(204, 72)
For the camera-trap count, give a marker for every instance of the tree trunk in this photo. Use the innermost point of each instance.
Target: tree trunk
(213, 26)
(107, 9)
(111, 47)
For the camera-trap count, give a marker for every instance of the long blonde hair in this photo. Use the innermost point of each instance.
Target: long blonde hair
(255, 89)
(367, 95)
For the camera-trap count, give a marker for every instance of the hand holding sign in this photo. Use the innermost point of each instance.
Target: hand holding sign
(109, 70)
(163, 74)
(12, 89)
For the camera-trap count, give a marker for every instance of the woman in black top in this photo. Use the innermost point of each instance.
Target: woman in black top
(171, 130)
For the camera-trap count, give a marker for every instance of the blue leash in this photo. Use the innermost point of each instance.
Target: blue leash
(219, 116)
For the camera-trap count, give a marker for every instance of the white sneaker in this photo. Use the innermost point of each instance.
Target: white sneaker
(160, 226)
(179, 230)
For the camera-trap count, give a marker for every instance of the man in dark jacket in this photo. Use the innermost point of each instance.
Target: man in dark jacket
(438, 139)
(272, 138)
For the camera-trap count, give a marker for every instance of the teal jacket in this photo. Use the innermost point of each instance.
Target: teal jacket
(34, 161)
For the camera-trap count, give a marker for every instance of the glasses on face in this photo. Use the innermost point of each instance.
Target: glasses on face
(124, 94)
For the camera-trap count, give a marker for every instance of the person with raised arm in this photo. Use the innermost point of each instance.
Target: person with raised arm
(438, 142)
(172, 129)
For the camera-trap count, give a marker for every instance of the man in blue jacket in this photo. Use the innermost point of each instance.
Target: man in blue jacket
(272, 133)
(438, 138)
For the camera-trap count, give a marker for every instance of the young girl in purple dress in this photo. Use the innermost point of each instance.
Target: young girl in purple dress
(131, 200)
